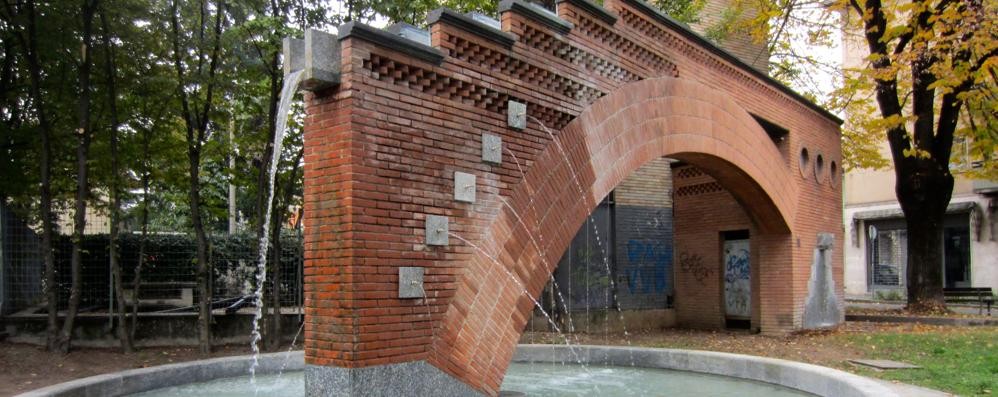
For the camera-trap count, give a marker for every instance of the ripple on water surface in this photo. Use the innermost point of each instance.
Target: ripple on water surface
(291, 383)
(536, 379)
(543, 379)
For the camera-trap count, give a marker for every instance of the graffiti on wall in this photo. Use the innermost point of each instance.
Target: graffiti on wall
(649, 263)
(737, 276)
(590, 280)
(693, 264)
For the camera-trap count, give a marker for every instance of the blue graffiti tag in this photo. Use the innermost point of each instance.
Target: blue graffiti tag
(737, 267)
(650, 261)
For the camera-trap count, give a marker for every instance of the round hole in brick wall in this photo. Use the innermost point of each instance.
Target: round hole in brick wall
(819, 168)
(833, 172)
(805, 161)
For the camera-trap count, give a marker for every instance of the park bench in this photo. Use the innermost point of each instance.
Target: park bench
(172, 293)
(983, 296)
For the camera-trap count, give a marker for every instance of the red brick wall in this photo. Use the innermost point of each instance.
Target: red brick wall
(703, 209)
(382, 148)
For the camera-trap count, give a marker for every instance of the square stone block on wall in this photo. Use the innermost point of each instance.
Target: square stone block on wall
(464, 187)
(491, 148)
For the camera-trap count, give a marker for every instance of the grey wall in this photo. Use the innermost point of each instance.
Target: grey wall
(643, 257)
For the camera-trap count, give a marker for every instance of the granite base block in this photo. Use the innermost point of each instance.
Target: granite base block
(416, 378)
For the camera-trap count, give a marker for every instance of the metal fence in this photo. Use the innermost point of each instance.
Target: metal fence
(168, 280)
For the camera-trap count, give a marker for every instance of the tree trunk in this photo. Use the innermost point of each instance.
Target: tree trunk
(137, 280)
(82, 179)
(196, 124)
(923, 190)
(203, 276)
(124, 334)
(29, 43)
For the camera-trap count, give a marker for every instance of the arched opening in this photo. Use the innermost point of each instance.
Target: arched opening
(638, 124)
(670, 246)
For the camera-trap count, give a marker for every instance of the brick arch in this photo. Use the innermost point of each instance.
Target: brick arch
(633, 125)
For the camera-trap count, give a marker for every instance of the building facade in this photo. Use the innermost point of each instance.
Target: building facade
(876, 236)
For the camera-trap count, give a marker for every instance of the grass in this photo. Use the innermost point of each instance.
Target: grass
(961, 361)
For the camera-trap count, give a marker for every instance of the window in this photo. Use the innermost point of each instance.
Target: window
(887, 253)
(960, 159)
(888, 257)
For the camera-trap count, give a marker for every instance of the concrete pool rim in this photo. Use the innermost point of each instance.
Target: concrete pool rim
(817, 380)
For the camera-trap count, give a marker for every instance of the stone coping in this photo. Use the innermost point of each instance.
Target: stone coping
(593, 9)
(391, 41)
(470, 25)
(821, 381)
(817, 380)
(536, 14)
(145, 379)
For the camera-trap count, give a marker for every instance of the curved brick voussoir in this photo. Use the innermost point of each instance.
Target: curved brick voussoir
(638, 123)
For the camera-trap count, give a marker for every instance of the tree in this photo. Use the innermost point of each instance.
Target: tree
(84, 135)
(255, 50)
(22, 21)
(685, 11)
(110, 69)
(196, 55)
(929, 80)
(414, 12)
(929, 60)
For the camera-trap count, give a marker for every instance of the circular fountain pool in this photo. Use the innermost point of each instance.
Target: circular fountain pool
(536, 370)
(532, 379)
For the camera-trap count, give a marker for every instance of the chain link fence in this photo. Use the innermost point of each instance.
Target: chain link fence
(167, 279)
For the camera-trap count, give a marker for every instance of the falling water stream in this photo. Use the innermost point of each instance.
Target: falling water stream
(523, 291)
(291, 82)
(540, 236)
(599, 243)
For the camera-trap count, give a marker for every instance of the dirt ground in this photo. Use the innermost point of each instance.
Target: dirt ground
(25, 367)
(28, 367)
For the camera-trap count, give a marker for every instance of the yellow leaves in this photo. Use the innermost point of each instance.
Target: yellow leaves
(861, 150)
(896, 31)
(989, 63)
(949, 14)
(887, 123)
(917, 153)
